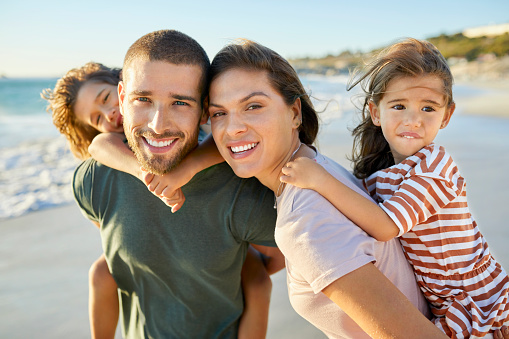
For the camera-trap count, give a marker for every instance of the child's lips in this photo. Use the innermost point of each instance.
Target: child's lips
(410, 135)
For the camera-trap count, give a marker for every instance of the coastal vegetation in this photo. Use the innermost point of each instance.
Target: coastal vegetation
(468, 56)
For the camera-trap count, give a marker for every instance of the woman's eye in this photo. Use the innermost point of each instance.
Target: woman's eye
(98, 120)
(253, 106)
(216, 114)
(106, 97)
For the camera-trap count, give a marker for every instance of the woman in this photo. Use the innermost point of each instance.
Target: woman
(261, 123)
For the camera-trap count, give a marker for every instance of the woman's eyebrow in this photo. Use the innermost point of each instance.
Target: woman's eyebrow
(252, 95)
(246, 98)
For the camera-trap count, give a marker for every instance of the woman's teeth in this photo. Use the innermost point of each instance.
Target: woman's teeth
(238, 149)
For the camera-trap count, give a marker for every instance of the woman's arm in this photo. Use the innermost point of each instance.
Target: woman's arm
(306, 173)
(110, 150)
(378, 307)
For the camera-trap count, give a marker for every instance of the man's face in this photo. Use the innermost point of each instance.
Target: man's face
(160, 103)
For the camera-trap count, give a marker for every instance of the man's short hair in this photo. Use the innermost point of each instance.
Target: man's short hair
(170, 46)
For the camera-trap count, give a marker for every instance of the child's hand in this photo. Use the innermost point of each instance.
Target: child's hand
(303, 172)
(163, 186)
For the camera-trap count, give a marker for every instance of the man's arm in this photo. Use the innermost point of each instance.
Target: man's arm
(378, 307)
(273, 259)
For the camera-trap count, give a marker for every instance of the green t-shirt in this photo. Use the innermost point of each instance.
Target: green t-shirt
(178, 274)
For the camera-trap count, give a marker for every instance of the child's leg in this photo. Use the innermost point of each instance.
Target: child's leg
(102, 300)
(503, 333)
(257, 287)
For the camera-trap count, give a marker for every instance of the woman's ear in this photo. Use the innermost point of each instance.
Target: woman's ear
(297, 113)
(448, 114)
(374, 111)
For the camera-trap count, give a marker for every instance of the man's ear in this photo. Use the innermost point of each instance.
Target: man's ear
(205, 112)
(448, 114)
(374, 111)
(297, 113)
(121, 96)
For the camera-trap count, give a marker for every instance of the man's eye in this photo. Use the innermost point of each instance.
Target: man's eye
(180, 103)
(142, 99)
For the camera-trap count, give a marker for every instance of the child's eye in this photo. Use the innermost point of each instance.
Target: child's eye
(398, 107)
(428, 109)
(98, 120)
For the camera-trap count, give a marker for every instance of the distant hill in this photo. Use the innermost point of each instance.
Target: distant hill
(457, 49)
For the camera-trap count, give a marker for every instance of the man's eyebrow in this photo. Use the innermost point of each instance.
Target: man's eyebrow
(246, 98)
(174, 96)
(184, 97)
(141, 92)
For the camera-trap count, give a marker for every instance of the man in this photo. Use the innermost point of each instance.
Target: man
(178, 274)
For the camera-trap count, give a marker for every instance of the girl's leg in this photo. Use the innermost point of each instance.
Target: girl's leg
(503, 333)
(103, 301)
(257, 287)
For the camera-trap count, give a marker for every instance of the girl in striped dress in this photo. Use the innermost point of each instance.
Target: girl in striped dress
(420, 192)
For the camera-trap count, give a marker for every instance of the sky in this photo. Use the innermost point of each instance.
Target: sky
(47, 38)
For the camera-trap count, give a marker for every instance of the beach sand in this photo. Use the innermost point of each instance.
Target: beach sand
(45, 255)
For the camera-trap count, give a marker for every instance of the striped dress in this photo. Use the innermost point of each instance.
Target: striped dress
(425, 196)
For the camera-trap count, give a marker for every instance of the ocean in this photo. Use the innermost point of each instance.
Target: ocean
(36, 165)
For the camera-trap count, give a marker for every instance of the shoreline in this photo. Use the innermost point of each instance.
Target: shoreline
(490, 101)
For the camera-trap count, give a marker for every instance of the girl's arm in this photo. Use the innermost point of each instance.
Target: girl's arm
(378, 307)
(306, 173)
(110, 149)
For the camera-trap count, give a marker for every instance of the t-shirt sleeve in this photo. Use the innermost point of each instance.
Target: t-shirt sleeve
(253, 214)
(318, 241)
(429, 187)
(82, 188)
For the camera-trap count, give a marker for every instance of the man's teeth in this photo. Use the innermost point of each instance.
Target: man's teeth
(156, 143)
(243, 148)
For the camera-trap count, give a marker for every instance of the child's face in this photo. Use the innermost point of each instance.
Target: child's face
(410, 113)
(97, 105)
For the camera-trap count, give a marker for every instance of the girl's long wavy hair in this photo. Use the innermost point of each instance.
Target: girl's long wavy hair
(408, 58)
(62, 98)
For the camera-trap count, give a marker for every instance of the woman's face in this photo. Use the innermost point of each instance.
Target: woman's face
(97, 106)
(252, 125)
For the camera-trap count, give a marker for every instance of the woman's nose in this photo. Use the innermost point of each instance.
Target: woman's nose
(235, 125)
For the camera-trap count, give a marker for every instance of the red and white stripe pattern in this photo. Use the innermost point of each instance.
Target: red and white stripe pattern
(425, 196)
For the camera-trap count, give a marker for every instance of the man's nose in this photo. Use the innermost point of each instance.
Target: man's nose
(159, 121)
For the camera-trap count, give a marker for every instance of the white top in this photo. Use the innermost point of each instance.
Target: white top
(321, 245)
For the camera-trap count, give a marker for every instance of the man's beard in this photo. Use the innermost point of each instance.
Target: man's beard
(160, 163)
